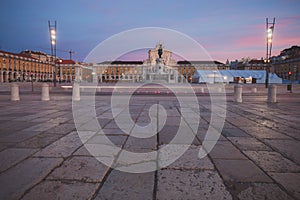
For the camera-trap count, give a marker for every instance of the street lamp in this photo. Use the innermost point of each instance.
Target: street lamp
(52, 31)
(270, 33)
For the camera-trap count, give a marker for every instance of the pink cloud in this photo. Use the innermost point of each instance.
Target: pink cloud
(249, 41)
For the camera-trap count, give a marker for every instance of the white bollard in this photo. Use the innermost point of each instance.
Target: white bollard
(202, 90)
(76, 92)
(98, 89)
(254, 90)
(15, 92)
(238, 93)
(272, 93)
(45, 92)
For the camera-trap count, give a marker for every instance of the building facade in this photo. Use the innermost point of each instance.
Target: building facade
(287, 64)
(22, 67)
(288, 69)
(136, 71)
(248, 65)
(38, 66)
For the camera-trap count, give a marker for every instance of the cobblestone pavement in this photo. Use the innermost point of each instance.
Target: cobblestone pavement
(256, 157)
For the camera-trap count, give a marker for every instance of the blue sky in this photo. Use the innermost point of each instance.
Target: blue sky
(226, 29)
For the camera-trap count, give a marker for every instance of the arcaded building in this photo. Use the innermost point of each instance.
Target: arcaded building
(137, 71)
(35, 66)
(23, 67)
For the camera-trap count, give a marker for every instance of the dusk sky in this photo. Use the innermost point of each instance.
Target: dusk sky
(226, 29)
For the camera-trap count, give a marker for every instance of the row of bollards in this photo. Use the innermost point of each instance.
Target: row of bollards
(76, 93)
(15, 95)
(238, 89)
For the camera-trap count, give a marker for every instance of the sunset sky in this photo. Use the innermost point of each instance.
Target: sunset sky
(226, 29)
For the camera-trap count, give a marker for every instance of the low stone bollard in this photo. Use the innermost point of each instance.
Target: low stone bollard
(45, 92)
(76, 92)
(98, 89)
(254, 90)
(202, 90)
(238, 93)
(272, 93)
(15, 92)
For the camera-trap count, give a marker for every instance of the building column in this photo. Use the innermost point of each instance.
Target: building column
(11, 76)
(6, 76)
(1, 76)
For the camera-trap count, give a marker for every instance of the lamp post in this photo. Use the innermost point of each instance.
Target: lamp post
(52, 31)
(270, 32)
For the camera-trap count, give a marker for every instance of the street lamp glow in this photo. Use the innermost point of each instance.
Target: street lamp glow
(270, 34)
(53, 32)
(270, 40)
(53, 42)
(53, 37)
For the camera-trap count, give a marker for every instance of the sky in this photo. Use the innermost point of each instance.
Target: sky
(226, 29)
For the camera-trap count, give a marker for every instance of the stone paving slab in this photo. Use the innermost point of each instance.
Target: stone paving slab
(82, 151)
(5, 145)
(240, 171)
(290, 181)
(268, 191)
(289, 148)
(234, 132)
(39, 141)
(292, 132)
(61, 129)
(272, 161)
(202, 134)
(63, 147)
(249, 143)
(14, 137)
(190, 184)
(264, 133)
(225, 150)
(41, 127)
(190, 161)
(80, 168)
(121, 185)
(167, 134)
(64, 190)
(12, 156)
(17, 180)
(117, 140)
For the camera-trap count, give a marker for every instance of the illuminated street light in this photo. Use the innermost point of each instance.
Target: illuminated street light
(270, 41)
(270, 33)
(52, 31)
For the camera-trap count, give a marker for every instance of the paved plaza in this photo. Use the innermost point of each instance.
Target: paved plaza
(256, 157)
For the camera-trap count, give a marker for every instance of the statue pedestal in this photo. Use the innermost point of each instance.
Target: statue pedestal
(157, 73)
